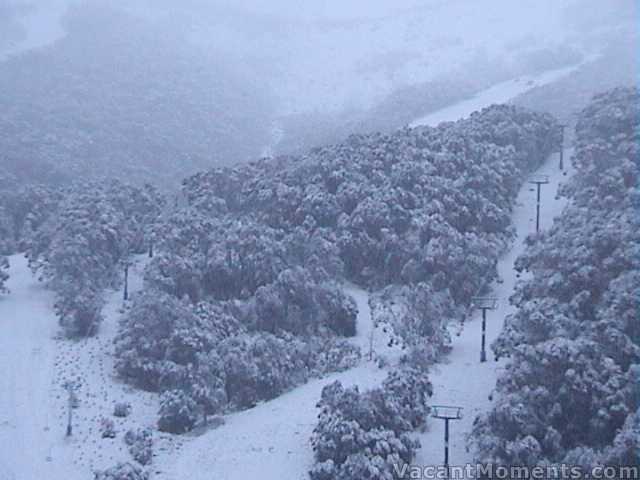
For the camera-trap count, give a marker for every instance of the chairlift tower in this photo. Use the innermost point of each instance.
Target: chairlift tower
(562, 128)
(71, 403)
(446, 413)
(538, 180)
(127, 264)
(484, 304)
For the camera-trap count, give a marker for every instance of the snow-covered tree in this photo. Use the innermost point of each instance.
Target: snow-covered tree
(268, 244)
(4, 276)
(160, 338)
(366, 435)
(178, 412)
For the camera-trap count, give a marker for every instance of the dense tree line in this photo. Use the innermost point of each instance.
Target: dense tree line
(428, 204)
(244, 295)
(78, 248)
(570, 392)
(211, 356)
(23, 209)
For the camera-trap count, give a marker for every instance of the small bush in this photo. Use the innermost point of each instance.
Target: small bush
(336, 356)
(122, 409)
(122, 471)
(140, 444)
(107, 428)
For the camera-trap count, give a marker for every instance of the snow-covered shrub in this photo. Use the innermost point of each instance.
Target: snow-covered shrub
(122, 409)
(334, 356)
(24, 207)
(107, 428)
(122, 471)
(340, 310)
(140, 443)
(79, 311)
(166, 344)
(409, 388)
(4, 276)
(625, 449)
(178, 412)
(360, 435)
(301, 304)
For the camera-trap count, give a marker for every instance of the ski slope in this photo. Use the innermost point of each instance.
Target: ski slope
(462, 380)
(35, 363)
(500, 93)
(27, 329)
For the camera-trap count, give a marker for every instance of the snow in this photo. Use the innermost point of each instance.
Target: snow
(34, 366)
(464, 381)
(365, 325)
(28, 429)
(499, 93)
(269, 441)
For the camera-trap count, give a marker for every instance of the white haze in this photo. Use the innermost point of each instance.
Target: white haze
(329, 55)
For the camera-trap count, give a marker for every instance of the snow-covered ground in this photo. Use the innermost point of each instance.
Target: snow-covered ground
(28, 427)
(35, 364)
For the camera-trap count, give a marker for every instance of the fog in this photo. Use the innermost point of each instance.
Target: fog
(325, 55)
(315, 70)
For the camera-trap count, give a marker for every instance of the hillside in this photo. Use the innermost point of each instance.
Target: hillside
(123, 97)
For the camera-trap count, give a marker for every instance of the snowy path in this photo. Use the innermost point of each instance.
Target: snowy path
(499, 93)
(27, 329)
(463, 380)
(271, 440)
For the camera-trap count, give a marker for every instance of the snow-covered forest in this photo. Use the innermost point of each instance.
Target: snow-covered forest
(256, 241)
(247, 273)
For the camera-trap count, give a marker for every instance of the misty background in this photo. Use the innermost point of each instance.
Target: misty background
(155, 90)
